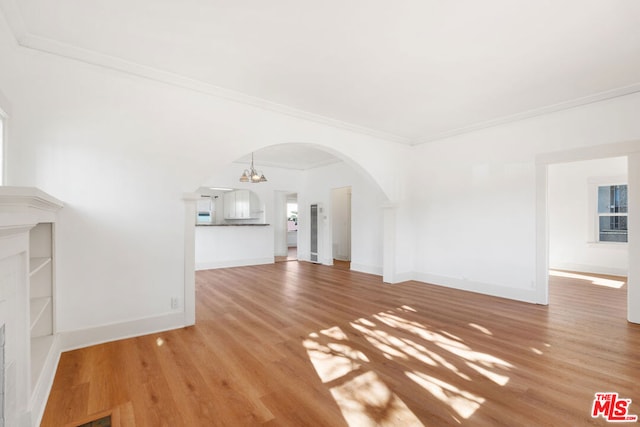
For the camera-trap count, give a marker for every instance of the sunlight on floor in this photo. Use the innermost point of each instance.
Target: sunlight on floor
(610, 283)
(463, 402)
(333, 360)
(493, 376)
(365, 399)
(481, 329)
(536, 351)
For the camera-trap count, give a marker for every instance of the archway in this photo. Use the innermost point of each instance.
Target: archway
(372, 240)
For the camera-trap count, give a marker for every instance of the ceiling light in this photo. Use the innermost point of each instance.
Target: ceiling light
(252, 175)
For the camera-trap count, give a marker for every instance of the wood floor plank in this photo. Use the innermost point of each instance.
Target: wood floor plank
(295, 344)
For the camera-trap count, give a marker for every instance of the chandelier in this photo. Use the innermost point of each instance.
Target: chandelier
(252, 175)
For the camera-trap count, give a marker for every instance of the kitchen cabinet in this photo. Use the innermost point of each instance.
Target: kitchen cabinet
(241, 204)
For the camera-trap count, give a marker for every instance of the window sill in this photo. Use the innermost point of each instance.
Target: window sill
(621, 245)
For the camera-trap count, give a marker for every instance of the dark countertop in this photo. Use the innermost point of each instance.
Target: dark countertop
(231, 225)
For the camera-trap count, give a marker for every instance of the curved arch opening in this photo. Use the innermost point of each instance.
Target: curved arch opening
(313, 173)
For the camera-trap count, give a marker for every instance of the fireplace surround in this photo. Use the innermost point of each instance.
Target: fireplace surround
(31, 348)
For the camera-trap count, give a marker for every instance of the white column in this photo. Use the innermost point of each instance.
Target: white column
(190, 200)
(542, 236)
(389, 243)
(633, 280)
(279, 223)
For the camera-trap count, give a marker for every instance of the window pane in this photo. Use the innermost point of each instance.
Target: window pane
(612, 199)
(613, 228)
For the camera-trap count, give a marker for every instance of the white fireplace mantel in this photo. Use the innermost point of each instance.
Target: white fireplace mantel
(27, 219)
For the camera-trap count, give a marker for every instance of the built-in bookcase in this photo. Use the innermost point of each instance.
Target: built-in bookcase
(27, 301)
(40, 296)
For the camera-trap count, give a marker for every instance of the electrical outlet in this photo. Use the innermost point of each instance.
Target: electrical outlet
(174, 303)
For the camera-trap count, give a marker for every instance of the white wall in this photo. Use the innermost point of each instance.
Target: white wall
(228, 246)
(120, 151)
(312, 186)
(366, 213)
(233, 246)
(475, 195)
(572, 214)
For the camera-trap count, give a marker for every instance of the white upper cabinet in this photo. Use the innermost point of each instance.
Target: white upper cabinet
(241, 204)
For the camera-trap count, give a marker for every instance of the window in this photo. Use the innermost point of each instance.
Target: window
(612, 213)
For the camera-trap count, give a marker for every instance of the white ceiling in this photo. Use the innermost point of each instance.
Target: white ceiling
(290, 156)
(410, 70)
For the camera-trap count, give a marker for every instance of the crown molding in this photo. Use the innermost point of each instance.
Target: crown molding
(27, 40)
(566, 105)
(14, 19)
(110, 62)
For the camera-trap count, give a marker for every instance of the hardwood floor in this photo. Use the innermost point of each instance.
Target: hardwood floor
(296, 344)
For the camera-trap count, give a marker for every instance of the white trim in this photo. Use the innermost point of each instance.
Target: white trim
(588, 268)
(71, 340)
(519, 294)
(212, 265)
(4, 137)
(29, 201)
(42, 388)
(189, 273)
(603, 151)
(369, 269)
(542, 234)
(389, 230)
(548, 109)
(30, 41)
(404, 277)
(633, 276)
(631, 149)
(64, 50)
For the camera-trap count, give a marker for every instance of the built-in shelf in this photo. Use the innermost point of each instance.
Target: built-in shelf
(37, 264)
(30, 215)
(40, 349)
(37, 308)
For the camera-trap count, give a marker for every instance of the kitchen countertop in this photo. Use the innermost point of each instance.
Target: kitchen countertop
(231, 225)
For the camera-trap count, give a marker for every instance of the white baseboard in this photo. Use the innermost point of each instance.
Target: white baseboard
(71, 340)
(404, 277)
(42, 388)
(363, 268)
(586, 268)
(526, 295)
(211, 265)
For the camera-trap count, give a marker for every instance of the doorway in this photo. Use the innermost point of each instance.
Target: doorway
(587, 227)
(292, 226)
(631, 150)
(588, 223)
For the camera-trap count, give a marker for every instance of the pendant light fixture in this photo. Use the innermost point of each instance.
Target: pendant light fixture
(252, 175)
